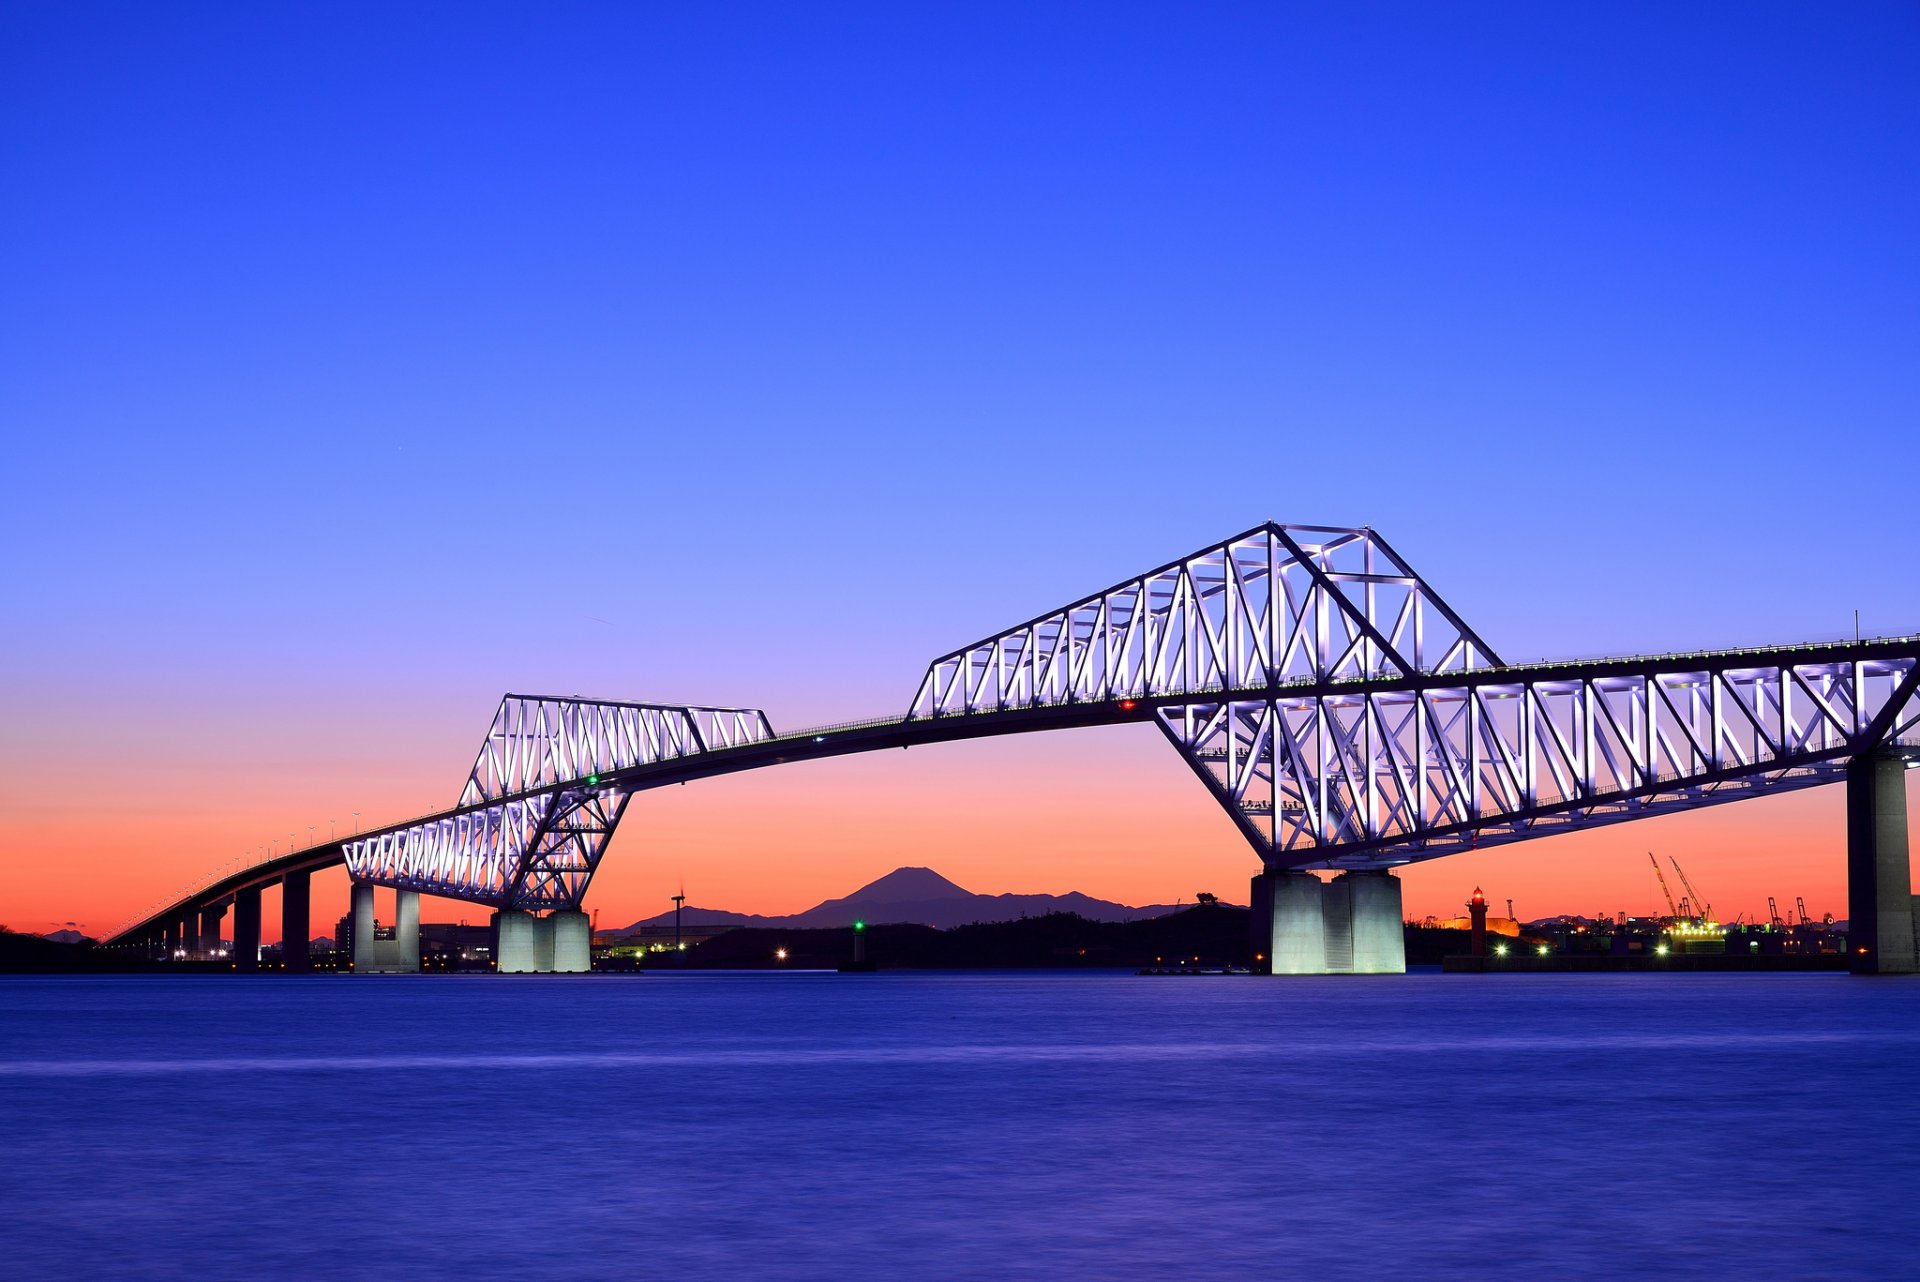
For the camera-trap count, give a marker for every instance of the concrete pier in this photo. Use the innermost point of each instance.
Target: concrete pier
(210, 919)
(397, 956)
(1260, 905)
(406, 930)
(360, 909)
(246, 929)
(1298, 924)
(526, 943)
(1349, 926)
(170, 939)
(560, 942)
(572, 942)
(1880, 899)
(296, 905)
(1375, 927)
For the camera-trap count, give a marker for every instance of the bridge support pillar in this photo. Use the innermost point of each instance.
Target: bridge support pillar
(246, 929)
(210, 919)
(406, 930)
(526, 942)
(1348, 926)
(360, 910)
(170, 939)
(296, 903)
(1375, 930)
(1260, 908)
(1880, 901)
(375, 956)
(572, 942)
(1297, 927)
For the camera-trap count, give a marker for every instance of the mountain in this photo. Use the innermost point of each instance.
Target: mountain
(915, 895)
(67, 937)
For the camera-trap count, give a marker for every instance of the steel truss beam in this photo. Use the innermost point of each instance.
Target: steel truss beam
(1430, 766)
(1277, 604)
(539, 805)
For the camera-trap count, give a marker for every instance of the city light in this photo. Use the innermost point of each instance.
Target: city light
(1499, 950)
(779, 954)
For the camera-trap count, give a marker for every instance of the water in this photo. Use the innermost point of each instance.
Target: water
(959, 1126)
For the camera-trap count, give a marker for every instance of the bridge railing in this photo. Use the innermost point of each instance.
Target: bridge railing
(838, 727)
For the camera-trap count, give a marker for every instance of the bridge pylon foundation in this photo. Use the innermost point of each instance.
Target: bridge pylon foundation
(246, 929)
(559, 943)
(296, 902)
(572, 942)
(1881, 906)
(1348, 926)
(397, 956)
(210, 919)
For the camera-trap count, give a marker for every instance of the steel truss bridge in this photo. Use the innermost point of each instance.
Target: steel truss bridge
(1333, 704)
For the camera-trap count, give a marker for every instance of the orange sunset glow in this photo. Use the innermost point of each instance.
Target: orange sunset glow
(1109, 812)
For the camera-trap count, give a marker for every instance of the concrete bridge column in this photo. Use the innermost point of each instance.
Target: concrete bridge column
(572, 942)
(514, 953)
(1375, 928)
(361, 911)
(170, 939)
(529, 945)
(1348, 926)
(296, 902)
(246, 929)
(406, 930)
(1880, 899)
(210, 918)
(1260, 905)
(397, 956)
(1297, 930)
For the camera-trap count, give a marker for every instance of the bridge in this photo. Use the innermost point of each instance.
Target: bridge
(1343, 716)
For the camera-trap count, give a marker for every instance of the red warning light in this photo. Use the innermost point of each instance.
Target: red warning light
(1127, 705)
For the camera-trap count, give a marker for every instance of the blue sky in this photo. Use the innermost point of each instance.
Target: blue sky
(358, 362)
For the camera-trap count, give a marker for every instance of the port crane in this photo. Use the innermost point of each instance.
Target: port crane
(1773, 914)
(1702, 909)
(1804, 919)
(1673, 909)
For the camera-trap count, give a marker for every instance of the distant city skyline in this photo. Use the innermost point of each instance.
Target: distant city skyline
(360, 370)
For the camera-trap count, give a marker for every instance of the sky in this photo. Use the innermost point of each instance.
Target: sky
(361, 362)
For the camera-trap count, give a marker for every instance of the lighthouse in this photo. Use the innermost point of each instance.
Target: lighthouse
(1477, 908)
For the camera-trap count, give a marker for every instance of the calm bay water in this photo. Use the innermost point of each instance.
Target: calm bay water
(959, 1126)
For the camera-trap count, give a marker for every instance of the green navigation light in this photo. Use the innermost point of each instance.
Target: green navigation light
(859, 926)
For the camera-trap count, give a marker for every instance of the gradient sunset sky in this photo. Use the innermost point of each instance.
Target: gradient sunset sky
(360, 362)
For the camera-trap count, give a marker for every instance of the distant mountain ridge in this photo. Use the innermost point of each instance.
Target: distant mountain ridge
(913, 895)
